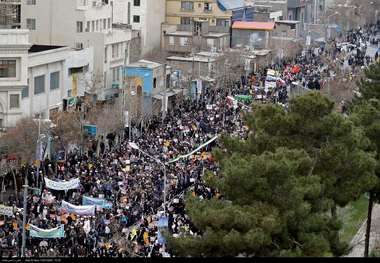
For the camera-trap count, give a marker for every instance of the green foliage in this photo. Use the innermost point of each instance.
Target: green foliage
(282, 183)
(369, 87)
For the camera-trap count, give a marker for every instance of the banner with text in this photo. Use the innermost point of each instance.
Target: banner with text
(58, 232)
(63, 185)
(81, 210)
(100, 202)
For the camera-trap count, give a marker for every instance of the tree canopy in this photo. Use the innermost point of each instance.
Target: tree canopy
(281, 186)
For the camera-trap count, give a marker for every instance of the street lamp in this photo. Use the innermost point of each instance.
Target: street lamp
(136, 147)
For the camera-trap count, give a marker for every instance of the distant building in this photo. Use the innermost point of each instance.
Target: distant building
(145, 16)
(10, 12)
(14, 45)
(56, 75)
(81, 24)
(252, 34)
(36, 80)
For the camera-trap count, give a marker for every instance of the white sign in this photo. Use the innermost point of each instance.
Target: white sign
(63, 185)
(6, 210)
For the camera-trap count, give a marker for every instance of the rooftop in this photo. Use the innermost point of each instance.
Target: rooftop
(253, 25)
(144, 64)
(180, 33)
(42, 48)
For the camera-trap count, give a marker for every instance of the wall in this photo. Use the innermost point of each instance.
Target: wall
(251, 38)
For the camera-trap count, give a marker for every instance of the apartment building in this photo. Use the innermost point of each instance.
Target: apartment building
(145, 16)
(10, 14)
(194, 26)
(37, 79)
(81, 24)
(14, 45)
(56, 75)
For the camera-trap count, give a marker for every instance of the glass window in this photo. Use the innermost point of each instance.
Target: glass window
(54, 80)
(14, 101)
(136, 2)
(187, 5)
(31, 23)
(185, 21)
(7, 68)
(39, 84)
(136, 19)
(25, 92)
(79, 27)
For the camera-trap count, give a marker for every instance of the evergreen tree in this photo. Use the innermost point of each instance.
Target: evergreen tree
(282, 185)
(366, 114)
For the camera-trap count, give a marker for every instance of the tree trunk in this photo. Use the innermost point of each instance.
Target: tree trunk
(333, 211)
(368, 230)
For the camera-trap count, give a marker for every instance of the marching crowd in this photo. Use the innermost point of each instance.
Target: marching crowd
(134, 182)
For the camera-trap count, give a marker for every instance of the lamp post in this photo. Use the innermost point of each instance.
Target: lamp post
(136, 147)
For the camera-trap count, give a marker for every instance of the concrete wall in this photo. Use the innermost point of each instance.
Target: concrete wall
(253, 38)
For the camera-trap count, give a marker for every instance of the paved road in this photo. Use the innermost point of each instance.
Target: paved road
(358, 241)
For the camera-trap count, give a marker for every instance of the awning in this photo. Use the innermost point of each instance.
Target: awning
(160, 96)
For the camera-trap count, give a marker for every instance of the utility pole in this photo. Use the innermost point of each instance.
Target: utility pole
(24, 213)
(165, 96)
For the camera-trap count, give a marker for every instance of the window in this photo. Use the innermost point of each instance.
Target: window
(39, 85)
(183, 41)
(136, 2)
(14, 101)
(31, 23)
(185, 21)
(79, 26)
(7, 68)
(116, 74)
(187, 6)
(222, 22)
(104, 23)
(136, 19)
(155, 83)
(25, 92)
(109, 23)
(54, 80)
(207, 7)
(93, 26)
(88, 26)
(105, 54)
(31, 2)
(210, 42)
(97, 25)
(171, 40)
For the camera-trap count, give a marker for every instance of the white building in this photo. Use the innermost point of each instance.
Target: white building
(14, 45)
(145, 16)
(37, 79)
(81, 24)
(54, 74)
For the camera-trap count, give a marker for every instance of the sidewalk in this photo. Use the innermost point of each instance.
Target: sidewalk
(358, 241)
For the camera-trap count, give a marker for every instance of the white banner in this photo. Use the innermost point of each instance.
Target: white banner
(81, 210)
(6, 210)
(63, 185)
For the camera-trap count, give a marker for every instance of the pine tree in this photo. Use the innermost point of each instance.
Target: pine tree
(283, 184)
(366, 114)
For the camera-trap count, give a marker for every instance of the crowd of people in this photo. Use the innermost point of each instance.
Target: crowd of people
(132, 180)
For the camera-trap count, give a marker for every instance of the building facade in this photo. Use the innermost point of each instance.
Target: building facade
(55, 74)
(145, 16)
(14, 45)
(81, 24)
(10, 12)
